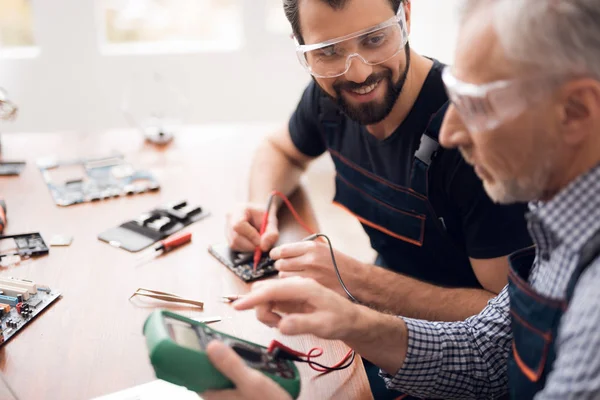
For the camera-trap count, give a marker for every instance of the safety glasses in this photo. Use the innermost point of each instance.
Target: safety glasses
(372, 46)
(487, 106)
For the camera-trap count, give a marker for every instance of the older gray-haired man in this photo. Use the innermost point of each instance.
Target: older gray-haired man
(525, 89)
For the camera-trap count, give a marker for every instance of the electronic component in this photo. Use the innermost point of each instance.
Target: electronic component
(61, 240)
(11, 168)
(242, 264)
(97, 179)
(153, 226)
(26, 245)
(15, 318)
(177, 345)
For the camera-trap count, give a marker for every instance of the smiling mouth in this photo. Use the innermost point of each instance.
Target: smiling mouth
(365, 89)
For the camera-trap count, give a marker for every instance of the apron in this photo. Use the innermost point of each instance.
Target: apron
(535, 320)
(400, 220)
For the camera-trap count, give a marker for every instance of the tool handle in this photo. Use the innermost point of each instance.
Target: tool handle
(176, 241)
(2, 215)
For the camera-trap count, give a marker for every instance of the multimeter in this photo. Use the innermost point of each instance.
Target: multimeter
(177, 348)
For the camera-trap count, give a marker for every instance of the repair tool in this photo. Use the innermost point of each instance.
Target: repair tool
(168, 297)
(2, 215)
(166, 245)
(153, 226)
(232, 298)
(20, 302)
(177, 350)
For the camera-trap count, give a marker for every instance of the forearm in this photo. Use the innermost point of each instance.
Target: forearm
(401, 295)
(380, 338)
(457, 360)
(272, 170)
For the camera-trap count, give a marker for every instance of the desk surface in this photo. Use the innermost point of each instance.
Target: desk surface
(90, 342)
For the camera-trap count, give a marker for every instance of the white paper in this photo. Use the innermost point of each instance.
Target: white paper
(155, 390)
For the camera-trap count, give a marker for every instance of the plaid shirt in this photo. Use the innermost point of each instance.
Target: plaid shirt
(468, 359)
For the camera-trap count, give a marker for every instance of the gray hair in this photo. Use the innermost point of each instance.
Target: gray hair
(557, 36)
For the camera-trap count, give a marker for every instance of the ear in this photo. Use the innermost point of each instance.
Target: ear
(580, 109)
(407, 10)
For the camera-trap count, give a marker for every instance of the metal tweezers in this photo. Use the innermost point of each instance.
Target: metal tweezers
(173, 298)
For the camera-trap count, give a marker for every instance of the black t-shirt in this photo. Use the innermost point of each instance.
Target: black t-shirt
(484, 229)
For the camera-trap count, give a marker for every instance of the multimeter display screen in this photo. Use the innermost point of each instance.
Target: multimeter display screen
(183, 334)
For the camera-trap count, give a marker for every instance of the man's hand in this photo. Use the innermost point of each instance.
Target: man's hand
(298, 306)
(243, 227)
(312, 259)
(249, 383)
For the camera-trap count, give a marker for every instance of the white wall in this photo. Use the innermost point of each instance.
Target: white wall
(71, 85)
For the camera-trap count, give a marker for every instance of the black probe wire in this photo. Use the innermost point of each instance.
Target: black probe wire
(337, 271)
(330, 369)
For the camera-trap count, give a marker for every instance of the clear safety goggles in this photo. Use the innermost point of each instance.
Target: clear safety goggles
(485, 107)
(372, 46)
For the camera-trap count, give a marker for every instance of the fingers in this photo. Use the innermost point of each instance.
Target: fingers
(287, 275)
(269, 237)
(292, 250)
(293, 289)
(241, 234)
(232, 366)
(296, 264)
(265, 314)
(247, 231)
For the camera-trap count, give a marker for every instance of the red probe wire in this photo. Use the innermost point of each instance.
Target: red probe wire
(312, 354)
(263, 225)
(315, 351)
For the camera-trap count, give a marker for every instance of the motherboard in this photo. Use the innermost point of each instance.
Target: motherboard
(20, 302)
(94, 179)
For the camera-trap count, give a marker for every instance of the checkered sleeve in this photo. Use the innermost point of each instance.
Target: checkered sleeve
(576, 371)
(459, 359)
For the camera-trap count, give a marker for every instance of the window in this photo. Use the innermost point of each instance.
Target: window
(172, 25)
(16, 24)
(276, 20)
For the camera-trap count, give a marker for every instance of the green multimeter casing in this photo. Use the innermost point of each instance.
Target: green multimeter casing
(177, 349)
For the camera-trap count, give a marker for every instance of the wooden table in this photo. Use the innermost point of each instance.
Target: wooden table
(90, 342)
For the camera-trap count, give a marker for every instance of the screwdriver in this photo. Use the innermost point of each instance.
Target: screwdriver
(166, 245)
(2, 215)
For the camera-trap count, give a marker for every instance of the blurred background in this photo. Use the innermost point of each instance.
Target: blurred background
(91, 65)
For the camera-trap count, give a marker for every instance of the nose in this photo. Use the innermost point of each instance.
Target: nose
(358, 71)
(454, 133)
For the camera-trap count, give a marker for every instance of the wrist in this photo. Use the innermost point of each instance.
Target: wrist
(361, 323)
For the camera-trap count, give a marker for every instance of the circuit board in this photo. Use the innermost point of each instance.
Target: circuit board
(87, 180)
(242, 264)
(16, 311)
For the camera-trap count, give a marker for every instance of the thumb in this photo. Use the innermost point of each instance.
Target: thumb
(228, 363)
(270, 236)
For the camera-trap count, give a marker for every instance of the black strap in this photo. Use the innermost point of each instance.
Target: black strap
(589, 253)
(429, 145)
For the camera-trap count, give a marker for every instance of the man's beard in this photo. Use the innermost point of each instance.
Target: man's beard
(372, 112)
(528, 188)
